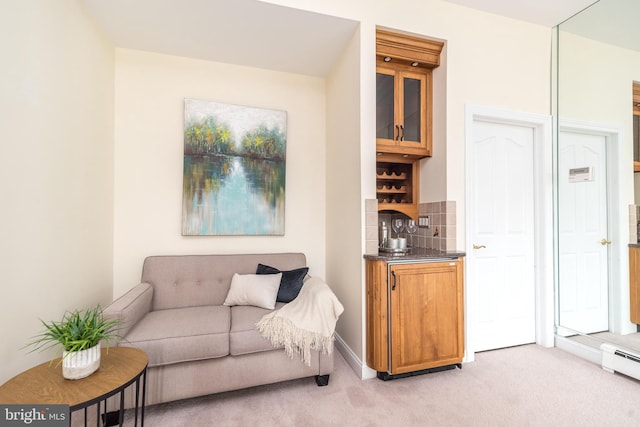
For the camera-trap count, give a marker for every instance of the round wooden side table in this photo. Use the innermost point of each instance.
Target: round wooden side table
(120, 367)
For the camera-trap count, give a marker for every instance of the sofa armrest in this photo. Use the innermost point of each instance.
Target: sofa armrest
(130, 307)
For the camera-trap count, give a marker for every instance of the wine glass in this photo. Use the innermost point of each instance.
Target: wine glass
(397, 225)
(411, 229)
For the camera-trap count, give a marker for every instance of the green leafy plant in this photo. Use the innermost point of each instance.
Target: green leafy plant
(78, 330)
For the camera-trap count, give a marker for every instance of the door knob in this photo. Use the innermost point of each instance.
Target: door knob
(605, 242)
(478, 247)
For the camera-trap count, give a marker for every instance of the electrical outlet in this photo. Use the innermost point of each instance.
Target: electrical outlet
(423, 221)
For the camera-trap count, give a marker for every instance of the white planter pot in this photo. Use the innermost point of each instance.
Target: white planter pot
(80, 364)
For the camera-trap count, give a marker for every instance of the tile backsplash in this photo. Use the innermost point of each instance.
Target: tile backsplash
(442, 230)
(440, 235)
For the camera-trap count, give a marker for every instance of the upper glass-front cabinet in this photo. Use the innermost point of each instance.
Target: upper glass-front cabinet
(403, 93)
(401, 110)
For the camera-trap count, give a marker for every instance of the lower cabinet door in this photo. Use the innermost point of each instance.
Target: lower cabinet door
(426, 311)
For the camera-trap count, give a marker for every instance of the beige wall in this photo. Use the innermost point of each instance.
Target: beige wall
(149, 110)
(56, 173)
(344, 233)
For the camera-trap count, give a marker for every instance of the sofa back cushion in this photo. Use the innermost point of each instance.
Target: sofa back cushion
(197, 280)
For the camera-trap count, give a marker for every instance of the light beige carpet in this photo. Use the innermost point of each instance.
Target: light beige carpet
(520, 386)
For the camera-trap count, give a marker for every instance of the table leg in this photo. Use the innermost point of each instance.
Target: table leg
(137, 402)
(144, 392)
(121, 412)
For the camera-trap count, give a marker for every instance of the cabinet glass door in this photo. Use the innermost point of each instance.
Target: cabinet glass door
(385, 111)
(412, 109)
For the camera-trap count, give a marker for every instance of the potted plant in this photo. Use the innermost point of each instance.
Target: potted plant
(79, 335)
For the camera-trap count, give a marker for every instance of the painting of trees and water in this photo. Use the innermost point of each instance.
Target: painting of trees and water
(234, 170)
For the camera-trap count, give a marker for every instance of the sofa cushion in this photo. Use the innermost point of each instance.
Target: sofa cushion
(201, 280)
(244, 337)
(182, 334)
(291, 281)
(254, 289)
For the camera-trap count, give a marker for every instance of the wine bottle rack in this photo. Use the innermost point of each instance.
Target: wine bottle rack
(397, 184)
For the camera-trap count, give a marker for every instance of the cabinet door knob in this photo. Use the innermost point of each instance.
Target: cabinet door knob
(397, 133)
(402, 130)
(478, 247)
(393, 287)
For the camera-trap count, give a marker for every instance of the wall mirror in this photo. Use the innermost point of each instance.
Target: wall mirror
(596, 62)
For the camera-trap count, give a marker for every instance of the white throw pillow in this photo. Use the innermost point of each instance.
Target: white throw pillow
(259, 290)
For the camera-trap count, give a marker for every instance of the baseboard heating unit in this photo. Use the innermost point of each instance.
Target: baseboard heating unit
(623, 361)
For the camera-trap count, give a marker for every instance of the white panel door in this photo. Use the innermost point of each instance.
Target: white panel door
(501, 264)
(583, 243)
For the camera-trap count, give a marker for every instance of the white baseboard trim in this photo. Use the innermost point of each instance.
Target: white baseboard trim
(591, 354)
(354, 362)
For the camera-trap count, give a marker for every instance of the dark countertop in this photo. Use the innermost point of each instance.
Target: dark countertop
(415, 254)
(634, 245)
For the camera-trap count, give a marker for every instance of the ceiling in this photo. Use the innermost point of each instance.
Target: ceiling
(242, 32)
(620, 28)
(246, 32)
(614, 22)
(548, 13)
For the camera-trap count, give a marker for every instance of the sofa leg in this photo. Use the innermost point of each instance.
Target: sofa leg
(110, 418)
(322, 380)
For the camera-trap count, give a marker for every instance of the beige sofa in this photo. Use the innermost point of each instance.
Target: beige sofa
(195, 344)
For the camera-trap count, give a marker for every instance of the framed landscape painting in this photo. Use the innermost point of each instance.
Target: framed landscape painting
(234, 170)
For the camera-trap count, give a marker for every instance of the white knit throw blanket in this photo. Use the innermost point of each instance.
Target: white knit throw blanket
(306, 323)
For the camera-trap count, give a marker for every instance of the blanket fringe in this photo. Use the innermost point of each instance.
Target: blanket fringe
(296, 341)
